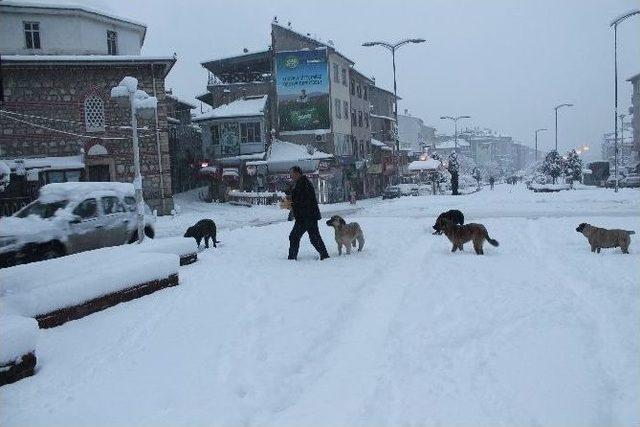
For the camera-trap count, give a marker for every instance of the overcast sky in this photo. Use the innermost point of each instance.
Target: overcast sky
(506, 63)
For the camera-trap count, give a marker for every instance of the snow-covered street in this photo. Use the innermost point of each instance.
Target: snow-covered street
(539, 331)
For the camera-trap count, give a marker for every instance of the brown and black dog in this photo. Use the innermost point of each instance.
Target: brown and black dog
(461, 234)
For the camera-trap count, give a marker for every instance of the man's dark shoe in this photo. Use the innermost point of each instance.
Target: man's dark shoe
(323, 257)
(292, 258)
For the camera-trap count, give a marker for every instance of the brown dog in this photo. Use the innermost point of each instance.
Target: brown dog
(602, 238)
(461, 234)
(346, 234)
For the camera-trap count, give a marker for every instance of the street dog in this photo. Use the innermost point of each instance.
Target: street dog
(461, 234)
(203, 229)
(346, 234)
(452, 215)
(602, 238)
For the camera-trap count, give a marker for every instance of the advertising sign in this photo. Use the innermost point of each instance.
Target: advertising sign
(302, 84)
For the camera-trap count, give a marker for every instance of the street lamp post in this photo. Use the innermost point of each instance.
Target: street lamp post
(455, 126)
(143, 105)
(557, 107)
(537, 131)
(392, 48)
(614, 24)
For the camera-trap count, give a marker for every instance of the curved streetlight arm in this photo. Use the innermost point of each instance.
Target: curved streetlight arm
(562, 105)
(624, 16)
(390, 46)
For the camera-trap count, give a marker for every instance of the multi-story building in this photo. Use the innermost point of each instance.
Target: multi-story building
(635, 119)
(411, 132)
(308, 100)
(361, 181)
(59, 64)
(383, 129)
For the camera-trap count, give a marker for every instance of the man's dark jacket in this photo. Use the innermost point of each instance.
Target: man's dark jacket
(304, 203)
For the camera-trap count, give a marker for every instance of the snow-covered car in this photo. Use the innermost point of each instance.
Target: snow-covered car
(409, 189)
(69, 218)
(630, 181)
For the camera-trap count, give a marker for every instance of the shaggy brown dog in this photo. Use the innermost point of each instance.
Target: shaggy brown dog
(346, 234)
(461, 234)
(602, 238)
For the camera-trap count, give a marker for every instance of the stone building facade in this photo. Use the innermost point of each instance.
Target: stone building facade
(61, 106)
(635, 118)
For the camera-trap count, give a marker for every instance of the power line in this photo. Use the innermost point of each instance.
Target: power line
(73, 122)
(66, 132)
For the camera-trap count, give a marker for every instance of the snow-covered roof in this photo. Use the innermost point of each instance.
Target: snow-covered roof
(380, 144)
(236, 56)
(180, 100)
(451, 143)
(168, 61)
(314, 38)
(288, 152)
(246, 107)
(429, 164)
(47, 163)
(378, 116)
(71, 7)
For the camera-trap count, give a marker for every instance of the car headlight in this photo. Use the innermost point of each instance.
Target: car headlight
(7, 241)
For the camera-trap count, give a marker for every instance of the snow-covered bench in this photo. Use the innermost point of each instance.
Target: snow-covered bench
(185, 248)
(63, 289)
(17, 348)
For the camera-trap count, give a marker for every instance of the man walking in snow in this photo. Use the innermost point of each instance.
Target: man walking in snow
(306, 214)
(492, 181)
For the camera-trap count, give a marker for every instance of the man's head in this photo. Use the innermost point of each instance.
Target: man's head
(295, 173)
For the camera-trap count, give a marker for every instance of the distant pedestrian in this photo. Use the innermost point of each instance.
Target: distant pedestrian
(492, 181)
(306, 213)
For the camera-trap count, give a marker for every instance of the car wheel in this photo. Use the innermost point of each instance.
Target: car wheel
(51, 251)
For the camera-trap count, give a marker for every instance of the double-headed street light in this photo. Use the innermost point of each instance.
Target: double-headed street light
(557, 107)
(392, 48)
(614, 24)
(455, 124)
(127, 94)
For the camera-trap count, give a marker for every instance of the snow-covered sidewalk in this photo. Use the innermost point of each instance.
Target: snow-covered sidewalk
(539, 331)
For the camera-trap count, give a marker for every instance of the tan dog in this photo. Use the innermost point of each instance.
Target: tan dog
(602, 238)
(461, 234)
(346, 234)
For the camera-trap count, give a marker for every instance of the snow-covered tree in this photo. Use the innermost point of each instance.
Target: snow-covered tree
(553, 165)
(573, 166)
(5, 176)
(467, 165)
(477, 175)
(453, 167)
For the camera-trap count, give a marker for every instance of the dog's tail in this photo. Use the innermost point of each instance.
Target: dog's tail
(631, 232)
(492, 241)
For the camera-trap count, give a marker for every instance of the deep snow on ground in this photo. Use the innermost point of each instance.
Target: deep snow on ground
(539, 331)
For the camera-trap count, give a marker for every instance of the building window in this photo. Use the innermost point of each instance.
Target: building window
(336, 75)
(345, 104)
(365, 93)
(337, 108)
(344, 77)
(32, 35)
(94, 113)
(353, 87)
(112, 43)
(250, 132)
(360, 118)
(359, 91)
(215, 134)
(354, 118)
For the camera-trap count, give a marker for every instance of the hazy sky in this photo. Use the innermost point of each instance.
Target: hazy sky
(506, 63)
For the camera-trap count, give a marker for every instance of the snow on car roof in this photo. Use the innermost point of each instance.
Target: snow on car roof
(75, 190)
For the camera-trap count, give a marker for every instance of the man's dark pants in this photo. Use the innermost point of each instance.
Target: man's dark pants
(306, 226)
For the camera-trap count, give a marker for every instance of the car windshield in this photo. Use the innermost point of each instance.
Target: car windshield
(43, 210)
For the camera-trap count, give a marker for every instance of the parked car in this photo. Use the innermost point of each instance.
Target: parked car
(630, 181)
(391, 192)
(409, 189)
(611, 182)
(71, 217)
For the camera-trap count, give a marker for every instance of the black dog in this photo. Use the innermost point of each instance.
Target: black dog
(203, 229)
(454, 215)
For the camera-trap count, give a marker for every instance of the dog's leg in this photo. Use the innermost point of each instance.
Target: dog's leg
(198, 241)
(360, 242)
(339, 248)
(598, 250)
(206, 242)
(348, 248)
(593, 248)
(454, 248)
